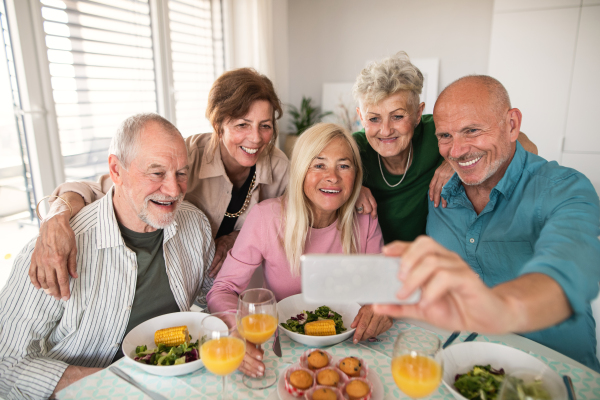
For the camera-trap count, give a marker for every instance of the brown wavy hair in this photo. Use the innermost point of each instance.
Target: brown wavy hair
(231, 96)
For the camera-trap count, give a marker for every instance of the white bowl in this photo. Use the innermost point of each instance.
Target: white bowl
(143, 334)
(461, 357)
(294, 305)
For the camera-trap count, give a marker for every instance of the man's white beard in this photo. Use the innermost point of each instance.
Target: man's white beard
(162, 220)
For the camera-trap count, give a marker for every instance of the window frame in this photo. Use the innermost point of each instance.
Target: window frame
(38, 106)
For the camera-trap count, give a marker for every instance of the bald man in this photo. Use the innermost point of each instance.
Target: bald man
(516, 249)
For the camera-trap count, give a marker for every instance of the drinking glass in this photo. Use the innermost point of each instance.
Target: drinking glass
(224, 349)
(257, 321)
(417, 364)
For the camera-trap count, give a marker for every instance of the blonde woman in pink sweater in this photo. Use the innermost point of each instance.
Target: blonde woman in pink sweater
(315, 215)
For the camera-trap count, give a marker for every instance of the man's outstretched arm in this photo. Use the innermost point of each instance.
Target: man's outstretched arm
(455, 298)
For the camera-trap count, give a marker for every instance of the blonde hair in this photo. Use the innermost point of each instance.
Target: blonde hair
(381, 79)
(297, 214)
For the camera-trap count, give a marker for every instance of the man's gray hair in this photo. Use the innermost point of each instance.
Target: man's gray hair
(125, 144)
(381, 79)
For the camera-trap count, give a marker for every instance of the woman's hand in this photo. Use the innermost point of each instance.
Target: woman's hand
(368, 324)
(222, 246)
(366, 203)
(442, 175)
(54, 257)
(252, 364)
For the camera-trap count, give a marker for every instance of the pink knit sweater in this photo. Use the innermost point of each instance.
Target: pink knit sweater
(258, 242)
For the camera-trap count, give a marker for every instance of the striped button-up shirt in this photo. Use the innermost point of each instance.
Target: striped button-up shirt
(40, 336)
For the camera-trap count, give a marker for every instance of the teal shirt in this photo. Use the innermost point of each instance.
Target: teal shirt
(402, 209)
(541, 218)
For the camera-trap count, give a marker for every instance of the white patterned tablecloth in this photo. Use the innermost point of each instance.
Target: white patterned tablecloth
(204, 385)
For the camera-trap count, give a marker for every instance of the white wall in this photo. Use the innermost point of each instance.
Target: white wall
(331, 41)
(547, 54)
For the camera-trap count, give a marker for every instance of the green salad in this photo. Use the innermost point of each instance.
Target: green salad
(166, 355)
(519, 390)
(481, 383)
(296, 324)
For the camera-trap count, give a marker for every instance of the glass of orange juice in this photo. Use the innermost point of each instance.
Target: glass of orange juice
(224, 350)
(417, 364)
(257, 321)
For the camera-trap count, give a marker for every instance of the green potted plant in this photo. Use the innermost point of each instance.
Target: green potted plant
(302, 119)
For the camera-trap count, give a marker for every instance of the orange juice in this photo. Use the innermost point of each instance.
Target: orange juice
(223, 356)
(416, 376)
(258, 328)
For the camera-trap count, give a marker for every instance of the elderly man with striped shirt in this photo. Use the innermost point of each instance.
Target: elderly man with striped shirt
(142, 252)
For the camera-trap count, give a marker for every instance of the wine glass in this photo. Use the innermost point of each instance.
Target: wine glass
(224, 350)
(417, 364)
(257, 321)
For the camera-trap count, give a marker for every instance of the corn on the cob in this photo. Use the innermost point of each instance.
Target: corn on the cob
(324, 327)
(172, 336)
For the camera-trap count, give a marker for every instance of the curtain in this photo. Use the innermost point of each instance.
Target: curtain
(249, 35)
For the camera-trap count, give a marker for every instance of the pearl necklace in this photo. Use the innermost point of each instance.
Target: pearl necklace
(405, 170)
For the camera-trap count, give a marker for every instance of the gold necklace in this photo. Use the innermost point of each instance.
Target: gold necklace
(246, 202)
(405, 170)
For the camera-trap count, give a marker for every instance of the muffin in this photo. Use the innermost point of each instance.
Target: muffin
(357, 389)
(324, 394)
(320, 392)
(328, 377)
(317, 359)
(301, 379)
(351, 366)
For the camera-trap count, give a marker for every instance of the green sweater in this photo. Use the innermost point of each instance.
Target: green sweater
(402, 210)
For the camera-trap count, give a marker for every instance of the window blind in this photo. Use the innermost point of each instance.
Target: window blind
(196, 35)
(102, 70)
(16, 180)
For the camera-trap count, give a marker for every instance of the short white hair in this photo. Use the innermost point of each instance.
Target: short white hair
(125, 144)
(381, 79)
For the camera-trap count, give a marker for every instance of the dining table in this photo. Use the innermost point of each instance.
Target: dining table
(377, 353)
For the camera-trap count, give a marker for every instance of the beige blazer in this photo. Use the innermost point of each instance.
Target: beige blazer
(209, 188)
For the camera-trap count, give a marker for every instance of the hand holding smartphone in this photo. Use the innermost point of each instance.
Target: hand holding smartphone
(360, 278)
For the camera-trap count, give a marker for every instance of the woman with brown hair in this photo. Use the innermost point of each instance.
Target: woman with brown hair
(231, 169)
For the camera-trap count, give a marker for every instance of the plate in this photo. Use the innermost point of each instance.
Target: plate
(293, 305)
(372, 377)
(461, 357)
(143, 334)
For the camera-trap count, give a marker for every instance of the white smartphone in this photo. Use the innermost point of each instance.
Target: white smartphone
(359, 278)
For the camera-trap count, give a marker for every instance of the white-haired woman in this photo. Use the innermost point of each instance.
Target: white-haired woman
(315, 215)
(399, 149)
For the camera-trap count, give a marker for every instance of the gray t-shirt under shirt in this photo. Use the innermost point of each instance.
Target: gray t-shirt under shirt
(153, 295)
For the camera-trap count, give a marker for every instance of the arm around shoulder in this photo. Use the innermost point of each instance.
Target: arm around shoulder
(374, 236)
(89, 191)
(527, 144)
